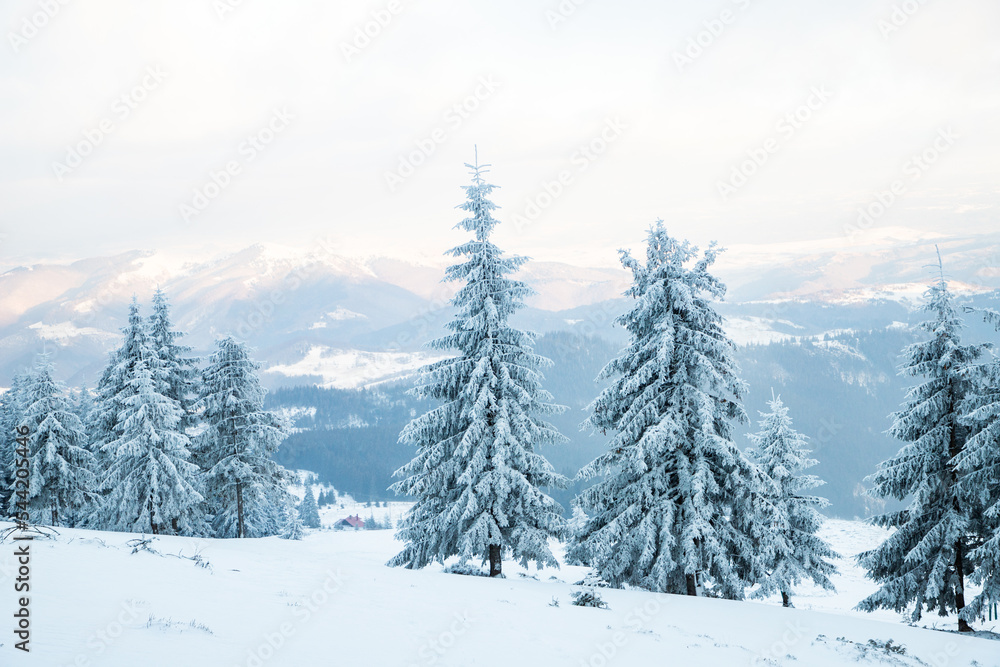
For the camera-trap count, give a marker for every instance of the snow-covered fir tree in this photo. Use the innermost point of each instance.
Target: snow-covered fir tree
(180, 375)
(924, 562)
(83, 403)
(150, 483)
(293, 528)
(674, 490)
(308, 509)
(246, 490)
(978, 466)
(575, 526)
(477, 476)
(795, 551)
(62, 479)
(103, 423)
(11, 413)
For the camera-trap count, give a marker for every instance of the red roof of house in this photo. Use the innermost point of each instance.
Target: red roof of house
(353, 521)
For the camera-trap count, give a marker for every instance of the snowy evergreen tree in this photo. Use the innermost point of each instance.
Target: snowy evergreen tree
(83, 404)
(293, 528)
(675, 492)
(978, 466)
(925, 560)
(574, 532)
(477, 476)
(11, 414)
(180, 375)
(103, 422)
(62, 481)
(150, 483)
(246, 490)
(796, 553)
(308, 509)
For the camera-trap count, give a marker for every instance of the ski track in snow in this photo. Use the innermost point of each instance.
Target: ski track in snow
(330, 600)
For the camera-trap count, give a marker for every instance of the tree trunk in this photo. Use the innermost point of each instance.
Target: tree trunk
(495, 569)
(785, 600)
(963, 626)
(152, 526)
(692, 584)
(239, 510)
(55, 516)
(955, 446)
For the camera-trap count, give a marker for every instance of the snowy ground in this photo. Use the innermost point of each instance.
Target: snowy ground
(329, 600)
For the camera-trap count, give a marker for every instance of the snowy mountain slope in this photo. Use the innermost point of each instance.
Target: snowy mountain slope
(330, 600)
(883, 262)
(286, 301)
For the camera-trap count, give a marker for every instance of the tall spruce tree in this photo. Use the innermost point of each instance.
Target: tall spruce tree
(795, 551)
(477, 476)
(308, 509)
(925, 560)
(103, 422)
(978, 466)
(62, 480)
(292, 528)
(675, 493)
(150, 482)
(247, 491)
(180, 375)
(83, 404)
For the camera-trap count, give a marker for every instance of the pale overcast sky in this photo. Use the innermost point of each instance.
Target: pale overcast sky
(201, 76)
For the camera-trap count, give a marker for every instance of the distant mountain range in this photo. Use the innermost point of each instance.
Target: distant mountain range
(315, 316)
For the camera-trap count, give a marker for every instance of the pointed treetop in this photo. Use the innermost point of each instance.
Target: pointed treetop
(477, 170)
(133, 311)
(477, 203)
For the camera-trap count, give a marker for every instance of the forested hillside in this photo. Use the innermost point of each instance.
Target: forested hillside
(840, 387)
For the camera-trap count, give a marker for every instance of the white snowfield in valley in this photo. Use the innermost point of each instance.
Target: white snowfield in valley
(330, 600)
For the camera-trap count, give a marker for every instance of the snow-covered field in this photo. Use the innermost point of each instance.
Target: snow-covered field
(329, 600)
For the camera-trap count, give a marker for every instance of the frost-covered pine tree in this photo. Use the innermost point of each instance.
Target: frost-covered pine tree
(150, 483)
(308, 509)
(674, 490)
(575, 527)
(293, 528)
(477, 476)
(104, 419)
(978, 466)
(246, 490)
(796, 553)
(11, 413)
(62, 481)
(180, 374)
(83, 403)
(924, 562)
